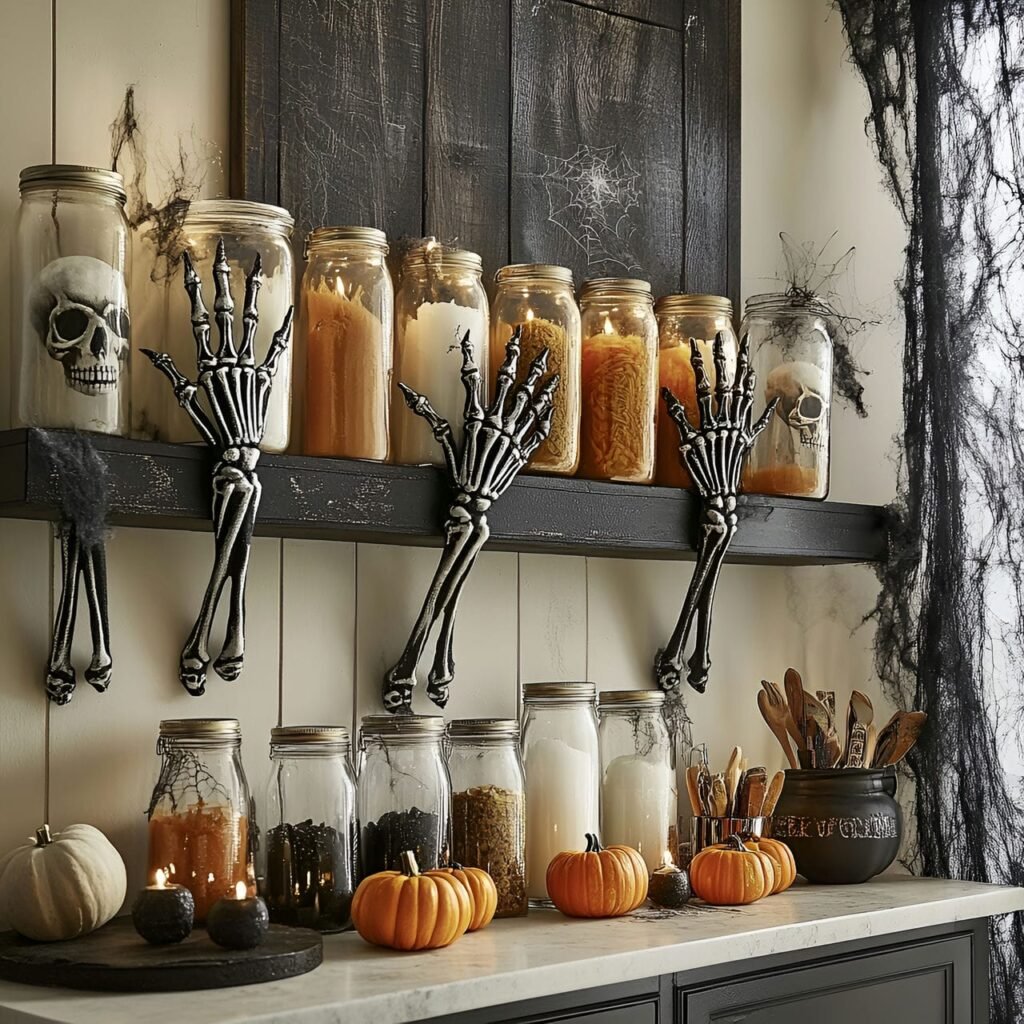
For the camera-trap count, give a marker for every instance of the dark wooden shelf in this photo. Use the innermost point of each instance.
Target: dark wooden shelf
(167, 486)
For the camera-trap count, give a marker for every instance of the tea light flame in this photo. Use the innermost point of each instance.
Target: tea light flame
(240, 890)
(608, 329)
(666, 859)
(529, 315)
(161, 879)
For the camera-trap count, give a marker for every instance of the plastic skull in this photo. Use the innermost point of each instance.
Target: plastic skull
(803, 400)
(79, 308)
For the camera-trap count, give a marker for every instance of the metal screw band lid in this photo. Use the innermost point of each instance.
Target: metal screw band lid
(583, 692)
(200, 728)
(220, 213)
(631, 698)
(322, 237)
(45, 177)
(615, 285)
(527, 271)
(433, 254)
(484, 728)
(426, 726)
(786, 302)
(299, 734)
(707, 305)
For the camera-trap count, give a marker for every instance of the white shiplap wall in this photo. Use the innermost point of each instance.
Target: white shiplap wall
(325, 619)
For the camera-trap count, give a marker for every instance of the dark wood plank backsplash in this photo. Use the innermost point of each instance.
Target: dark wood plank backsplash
(602, 134)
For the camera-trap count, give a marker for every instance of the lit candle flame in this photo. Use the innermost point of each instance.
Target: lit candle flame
(529, 315)
(339, 286)
(161, 879)
(666, 859)
(209, 877)
(608, 329)
(240, 890)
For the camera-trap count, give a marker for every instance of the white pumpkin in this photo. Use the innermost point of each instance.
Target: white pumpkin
(62, 886)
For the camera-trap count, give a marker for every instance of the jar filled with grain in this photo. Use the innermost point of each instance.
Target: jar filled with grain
(680, 319)
(538, 298)
(618, 381)
(345, 327)
(489, 805)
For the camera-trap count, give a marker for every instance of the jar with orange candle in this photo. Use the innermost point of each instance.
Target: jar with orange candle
(680, 318)
(618, 380)
(346, 327)
(538, 298)
(200, 833)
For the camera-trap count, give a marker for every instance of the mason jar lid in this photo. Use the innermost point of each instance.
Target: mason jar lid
(433, 254)
(349, 233)
(425, 726)
(484, 728)
(576, 692)
(615, 286)
(220, 213)
(714, 305)
(200, 728)
(631, 699)
(534, 271)
(786, 303)
(334, 735)
(45, 177)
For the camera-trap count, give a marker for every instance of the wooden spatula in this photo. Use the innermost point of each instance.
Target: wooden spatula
(753, 787)
(795, 697)
(732, 780)
(774, 792)
(909, 725)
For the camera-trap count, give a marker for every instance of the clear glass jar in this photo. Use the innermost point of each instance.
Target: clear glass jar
(247, 229)
(403, 792)
(308, 853)
(346, 332)
(489, 805)
(563, 771)
(791, 352)
(619, 380)
(680, 318)
(201, 827)
(440, 297)
(638, 783)
(70, 327)
(538, 297)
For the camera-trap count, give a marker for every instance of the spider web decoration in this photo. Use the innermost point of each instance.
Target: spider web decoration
(590, 196)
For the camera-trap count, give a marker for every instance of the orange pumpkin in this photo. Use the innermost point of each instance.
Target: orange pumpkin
(483, 893)
(406, 910)
(732, 873)
(599, 882)
(782, 861)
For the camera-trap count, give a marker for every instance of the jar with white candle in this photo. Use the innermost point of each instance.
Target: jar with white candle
(638, 785)
(440, 297)
(560, 754)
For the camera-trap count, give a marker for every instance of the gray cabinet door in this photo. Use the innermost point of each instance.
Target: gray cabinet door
(927, 983)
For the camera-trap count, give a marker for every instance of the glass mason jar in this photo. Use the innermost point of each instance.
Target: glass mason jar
(638, 784)
(538, 297)
(560, 756)
(70, 328)
(791, 352)
(440, 297)
(247, 229)
(489, 805)
(346, 326)
(201, 827)
(403, 792)
(619, 380)
(307, 857)
(680, 318)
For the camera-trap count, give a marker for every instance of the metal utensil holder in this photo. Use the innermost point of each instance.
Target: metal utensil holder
(707, 831)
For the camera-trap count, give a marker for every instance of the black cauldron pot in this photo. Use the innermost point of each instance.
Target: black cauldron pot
(842, 824)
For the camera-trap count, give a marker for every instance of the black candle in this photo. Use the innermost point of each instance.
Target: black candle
(669, 886)
(238, 922)
(163, 913)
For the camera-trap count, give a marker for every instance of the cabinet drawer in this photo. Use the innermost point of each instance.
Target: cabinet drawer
(927, 983)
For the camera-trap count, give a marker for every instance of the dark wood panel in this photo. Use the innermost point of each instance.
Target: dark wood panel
(658, 12)
(351, 124)
(597, 181)
(467, 117)
(168, 486)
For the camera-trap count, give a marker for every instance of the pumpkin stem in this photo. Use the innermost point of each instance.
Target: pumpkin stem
(409, 866)
(735, 841)
(593, 843)
(43, 836)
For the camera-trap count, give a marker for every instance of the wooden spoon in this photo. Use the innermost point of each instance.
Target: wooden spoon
(774, 792)
(861, 702)
(776, 696)
(821, 733)
(869, 745)
(732, 780)
(795, 696)
(719, 796)
(909, 725)
(692, 774)
(886, 741)
(775, 715)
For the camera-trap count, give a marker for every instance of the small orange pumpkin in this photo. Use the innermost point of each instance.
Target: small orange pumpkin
(782, 861)
(406, 910)
(732, 874)
(483, 893)
(599, 882)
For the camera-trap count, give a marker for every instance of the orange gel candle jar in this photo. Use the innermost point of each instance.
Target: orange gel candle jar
(619, 380)
(200, 835)
(680, 318)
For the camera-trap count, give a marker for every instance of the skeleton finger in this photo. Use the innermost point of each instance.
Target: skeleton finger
(278, 344)
(185, 392)
(60, 674)
(677, 413)
(94, 578)
(763, 419)
(470, 381)
(739, 380)
(439, 426)
(250, 318)
(524, 392)
(723, 387)
(707, 416)
(224, 305)
(506, 375)
(200, 316)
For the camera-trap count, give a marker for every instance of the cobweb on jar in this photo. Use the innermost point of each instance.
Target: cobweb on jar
(590, 197)
(181, 774)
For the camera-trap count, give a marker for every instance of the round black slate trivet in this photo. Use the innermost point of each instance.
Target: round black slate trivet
(116, 959)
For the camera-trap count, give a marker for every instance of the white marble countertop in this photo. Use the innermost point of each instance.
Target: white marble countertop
(542, 955)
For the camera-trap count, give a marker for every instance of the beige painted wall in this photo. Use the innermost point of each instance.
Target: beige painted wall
(325, 619)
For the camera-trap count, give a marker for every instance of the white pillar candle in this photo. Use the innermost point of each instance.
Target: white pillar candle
(562, 805)
(638, 806)
(429, 360)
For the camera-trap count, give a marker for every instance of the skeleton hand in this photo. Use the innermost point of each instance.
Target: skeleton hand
(714, 453)
(496, 444)
(232, 421)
